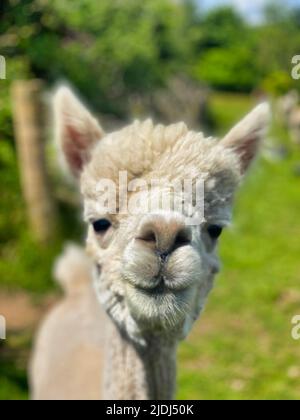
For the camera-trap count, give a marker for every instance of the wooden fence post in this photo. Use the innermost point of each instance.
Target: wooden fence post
(29, 123)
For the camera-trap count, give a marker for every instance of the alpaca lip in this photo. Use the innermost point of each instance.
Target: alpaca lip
(161, 285)
(158, 286)
(160, 289)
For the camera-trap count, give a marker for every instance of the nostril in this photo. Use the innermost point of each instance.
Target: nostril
(148, 238)
(183, 238)
(164, 237)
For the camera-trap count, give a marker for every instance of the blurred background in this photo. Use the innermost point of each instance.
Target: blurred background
(207, 63)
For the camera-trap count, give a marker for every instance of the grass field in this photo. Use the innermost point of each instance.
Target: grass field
(242, 347)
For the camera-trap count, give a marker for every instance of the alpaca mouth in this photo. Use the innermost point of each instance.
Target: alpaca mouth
(164, 280)
(153, 277)
(162, 283)
(159, 307)
(159, 286)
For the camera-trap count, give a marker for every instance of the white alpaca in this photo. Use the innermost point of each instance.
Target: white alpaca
(153, 271)
(294, 125)
(288, 111)
(285, 106)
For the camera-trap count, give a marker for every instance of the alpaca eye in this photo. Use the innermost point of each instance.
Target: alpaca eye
(214, 231)
(101, 226)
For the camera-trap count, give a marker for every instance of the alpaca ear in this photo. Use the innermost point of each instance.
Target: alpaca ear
(77, 131)
(244, 139)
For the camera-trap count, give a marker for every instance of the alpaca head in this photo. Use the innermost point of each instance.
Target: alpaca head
(154, 266)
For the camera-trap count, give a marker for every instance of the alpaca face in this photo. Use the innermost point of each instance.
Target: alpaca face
(154, 266)
(157, 267)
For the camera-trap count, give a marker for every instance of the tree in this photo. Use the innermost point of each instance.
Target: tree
(107, 49)
(224, 62)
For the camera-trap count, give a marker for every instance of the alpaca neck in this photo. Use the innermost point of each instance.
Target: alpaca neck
(139, 374)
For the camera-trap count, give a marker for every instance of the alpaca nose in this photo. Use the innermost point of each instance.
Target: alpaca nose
(164, 234)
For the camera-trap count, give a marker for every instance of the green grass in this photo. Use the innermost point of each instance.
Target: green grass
(242, 347)
(226, 109)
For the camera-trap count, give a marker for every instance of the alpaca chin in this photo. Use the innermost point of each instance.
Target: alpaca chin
(159, 295)
(160, 310)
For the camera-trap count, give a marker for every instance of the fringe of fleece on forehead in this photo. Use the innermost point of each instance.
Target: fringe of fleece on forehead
(144, 149)
(161, 136)
(137, 147)
(143, 142)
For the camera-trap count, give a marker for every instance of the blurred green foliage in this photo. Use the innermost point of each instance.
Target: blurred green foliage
(236, 56)
(14, 354)
(22, 263)
(112, 49)
(108, 49)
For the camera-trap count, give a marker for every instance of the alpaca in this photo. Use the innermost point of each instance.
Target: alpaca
(153, 270)
(285, 106)
(288, 111)
(294, 125)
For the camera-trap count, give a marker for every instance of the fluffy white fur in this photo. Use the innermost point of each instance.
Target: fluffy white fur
(288, 111)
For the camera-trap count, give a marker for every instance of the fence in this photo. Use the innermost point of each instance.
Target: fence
(2, 328)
